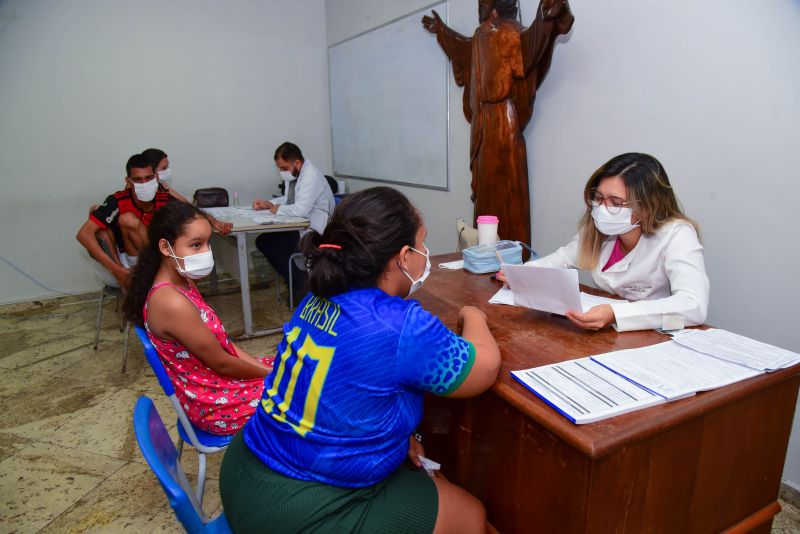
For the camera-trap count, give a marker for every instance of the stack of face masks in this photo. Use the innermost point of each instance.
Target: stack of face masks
(483, 258)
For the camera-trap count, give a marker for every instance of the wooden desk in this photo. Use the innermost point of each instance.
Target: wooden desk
(704, 464)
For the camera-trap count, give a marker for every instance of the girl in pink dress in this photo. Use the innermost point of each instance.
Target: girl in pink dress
(218, 384)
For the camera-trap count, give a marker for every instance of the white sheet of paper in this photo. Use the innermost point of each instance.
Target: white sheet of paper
(585, 391)
(225, 212)
(271, 218)
(458, 264)
(504, 296)
(672, 370)
(590, 301)
(544, 288)
(737, 349)
(429, 465)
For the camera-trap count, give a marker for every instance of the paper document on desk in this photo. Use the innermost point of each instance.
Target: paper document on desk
(225, 212)
(270, 218)
(547, 289)
(673, 371)
(544, 288)
(504, 296)
(452, 265)
(737, 349)
(584, 391)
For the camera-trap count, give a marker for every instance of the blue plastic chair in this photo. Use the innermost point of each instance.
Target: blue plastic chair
(204, 442)
(163, 458)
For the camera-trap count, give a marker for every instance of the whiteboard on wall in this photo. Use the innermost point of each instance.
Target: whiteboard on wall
(389, 105)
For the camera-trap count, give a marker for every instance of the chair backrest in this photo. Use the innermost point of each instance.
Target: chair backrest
(162, 457)
(155, 362)
(210, 442)
(332, 183)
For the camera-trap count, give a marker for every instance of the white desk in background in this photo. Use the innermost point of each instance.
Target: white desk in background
(231, 251)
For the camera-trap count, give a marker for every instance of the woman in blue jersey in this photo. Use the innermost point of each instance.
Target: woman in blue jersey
(325, 448)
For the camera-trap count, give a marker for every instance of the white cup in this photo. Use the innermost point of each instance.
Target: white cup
(487, 229)
(342, 186)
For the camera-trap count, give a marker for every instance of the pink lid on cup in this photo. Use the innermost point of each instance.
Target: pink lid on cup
(488, 219)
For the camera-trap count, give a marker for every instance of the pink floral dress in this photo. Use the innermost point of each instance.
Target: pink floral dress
(215, 403)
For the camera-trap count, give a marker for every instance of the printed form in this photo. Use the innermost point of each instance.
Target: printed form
(737, 349)
(672, 370)
(584, 391)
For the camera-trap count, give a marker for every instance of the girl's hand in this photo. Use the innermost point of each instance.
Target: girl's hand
(595, 319)
(502, 277)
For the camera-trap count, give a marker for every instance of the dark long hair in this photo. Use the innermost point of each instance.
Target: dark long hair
(370, 226)
(168, 223)
(155, 155)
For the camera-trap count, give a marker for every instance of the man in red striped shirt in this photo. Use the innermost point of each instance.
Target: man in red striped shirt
(124, 216)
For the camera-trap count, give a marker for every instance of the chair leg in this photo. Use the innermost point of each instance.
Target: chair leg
(125, 347)
(120, 313)
(291, 284)
(201, 477)
(99, 318)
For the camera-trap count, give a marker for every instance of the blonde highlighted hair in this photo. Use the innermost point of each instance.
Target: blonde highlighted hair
(650, 195)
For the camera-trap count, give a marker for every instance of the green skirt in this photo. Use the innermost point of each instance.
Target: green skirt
(257, 499)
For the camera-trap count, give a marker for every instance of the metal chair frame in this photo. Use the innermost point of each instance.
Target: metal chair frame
(124, 324)
(162, 457)
(204, 442)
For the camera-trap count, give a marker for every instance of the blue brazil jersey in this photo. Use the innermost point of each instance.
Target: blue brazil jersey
(347, 388)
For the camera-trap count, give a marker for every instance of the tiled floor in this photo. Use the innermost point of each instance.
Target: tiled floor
(68, 458)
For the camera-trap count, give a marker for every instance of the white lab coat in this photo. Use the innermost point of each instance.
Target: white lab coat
(664, 274)
(313, 198)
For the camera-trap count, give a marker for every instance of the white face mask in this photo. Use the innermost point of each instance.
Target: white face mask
(287, 176)
(165, 176)
(195, 266)
(416, 284)
(613, 224)
(146, 191)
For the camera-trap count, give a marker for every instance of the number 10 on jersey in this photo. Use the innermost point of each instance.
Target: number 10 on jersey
(311, 358)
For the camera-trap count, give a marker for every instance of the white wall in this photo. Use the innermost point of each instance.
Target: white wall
(710, 88)
(87, 83)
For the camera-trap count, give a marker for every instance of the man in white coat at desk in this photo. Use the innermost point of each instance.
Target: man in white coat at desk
(308, 195)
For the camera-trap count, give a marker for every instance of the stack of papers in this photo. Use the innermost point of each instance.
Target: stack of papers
(737, 349)
(584, 391)
(270, 218)
(257, 216)
(602, 386)
(225, 212)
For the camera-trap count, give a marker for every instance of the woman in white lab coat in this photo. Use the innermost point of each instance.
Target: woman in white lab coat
(639, 245)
